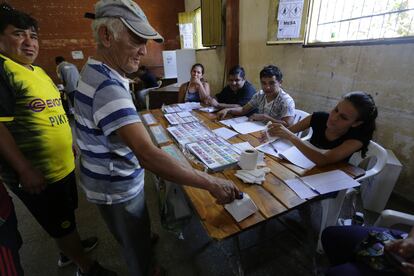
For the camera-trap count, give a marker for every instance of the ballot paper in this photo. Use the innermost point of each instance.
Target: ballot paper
(233, 121)
(180, 118)
(225, 133)
(159, 134)
(295, 156)
(189, 106)
(284, 149)
(149, 119)
(240, 147)
(171, 108)
(241, 208)
(248, 127)
(321, 183)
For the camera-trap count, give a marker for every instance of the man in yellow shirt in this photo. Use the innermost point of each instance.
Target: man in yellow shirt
(36, 156)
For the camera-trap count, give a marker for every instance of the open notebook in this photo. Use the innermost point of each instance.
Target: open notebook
(284, 149)
(321, 183)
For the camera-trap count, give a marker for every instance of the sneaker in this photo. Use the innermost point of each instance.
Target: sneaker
(96, 270)
(87, 244)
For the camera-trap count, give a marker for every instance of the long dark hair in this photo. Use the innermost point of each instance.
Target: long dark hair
(367, 111)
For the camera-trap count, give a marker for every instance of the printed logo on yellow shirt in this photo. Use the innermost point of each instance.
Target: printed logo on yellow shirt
(66, 224)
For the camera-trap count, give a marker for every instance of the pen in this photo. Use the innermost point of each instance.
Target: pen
(273, 147)
(313, 189)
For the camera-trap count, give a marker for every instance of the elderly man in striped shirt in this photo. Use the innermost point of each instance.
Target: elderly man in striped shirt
(115, 146)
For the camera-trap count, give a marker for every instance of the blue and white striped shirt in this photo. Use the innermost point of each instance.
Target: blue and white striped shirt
(109, 171)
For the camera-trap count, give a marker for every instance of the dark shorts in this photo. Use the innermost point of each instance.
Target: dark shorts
(10, 243)
(54, 208)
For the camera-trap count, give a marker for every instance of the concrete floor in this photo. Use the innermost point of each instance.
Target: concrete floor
(281, 250)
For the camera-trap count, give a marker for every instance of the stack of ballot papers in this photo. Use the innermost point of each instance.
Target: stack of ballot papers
(256, 176)
(234, 121)
(241, 208)
(225, 133)
(321, 183)
(189, 106)
(284, 149)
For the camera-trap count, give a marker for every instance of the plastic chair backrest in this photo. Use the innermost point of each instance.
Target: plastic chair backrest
(374, 151)
(299, 115)
(389, 218)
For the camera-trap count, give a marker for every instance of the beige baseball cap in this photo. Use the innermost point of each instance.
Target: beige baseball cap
(130, 14)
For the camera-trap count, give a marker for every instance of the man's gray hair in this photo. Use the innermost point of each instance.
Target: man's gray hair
(114, 25)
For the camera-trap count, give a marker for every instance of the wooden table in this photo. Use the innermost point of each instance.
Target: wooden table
(273, 198)
(163, 95)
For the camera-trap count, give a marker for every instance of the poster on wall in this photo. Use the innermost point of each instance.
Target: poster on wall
(77, 54)
(170, 64)
(186, 33)
(289, 17)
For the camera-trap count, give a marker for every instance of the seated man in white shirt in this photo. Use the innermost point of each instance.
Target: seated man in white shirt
(272, 103)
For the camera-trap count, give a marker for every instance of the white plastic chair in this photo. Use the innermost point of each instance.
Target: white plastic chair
(390, 218)
(332, 207)
(142, 95)
(299, 115)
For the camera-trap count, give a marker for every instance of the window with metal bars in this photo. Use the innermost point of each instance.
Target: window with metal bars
(360, 21)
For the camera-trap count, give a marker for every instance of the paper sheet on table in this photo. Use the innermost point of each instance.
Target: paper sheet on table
(296, 157)
(323, 182)
(189, 106)
(184, 114)
(225, 133)
(275, 147)
(248, 127)
(240, 147)
(233, 121)
(241, 208)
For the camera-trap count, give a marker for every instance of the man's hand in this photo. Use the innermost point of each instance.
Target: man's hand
(31, 180)
(263, 137)
(223, 190)
(405, 249)
(223, 113)
(213, 102)
(258, 117)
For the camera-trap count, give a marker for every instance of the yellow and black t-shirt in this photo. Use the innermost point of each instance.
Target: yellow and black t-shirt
(31, 109)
